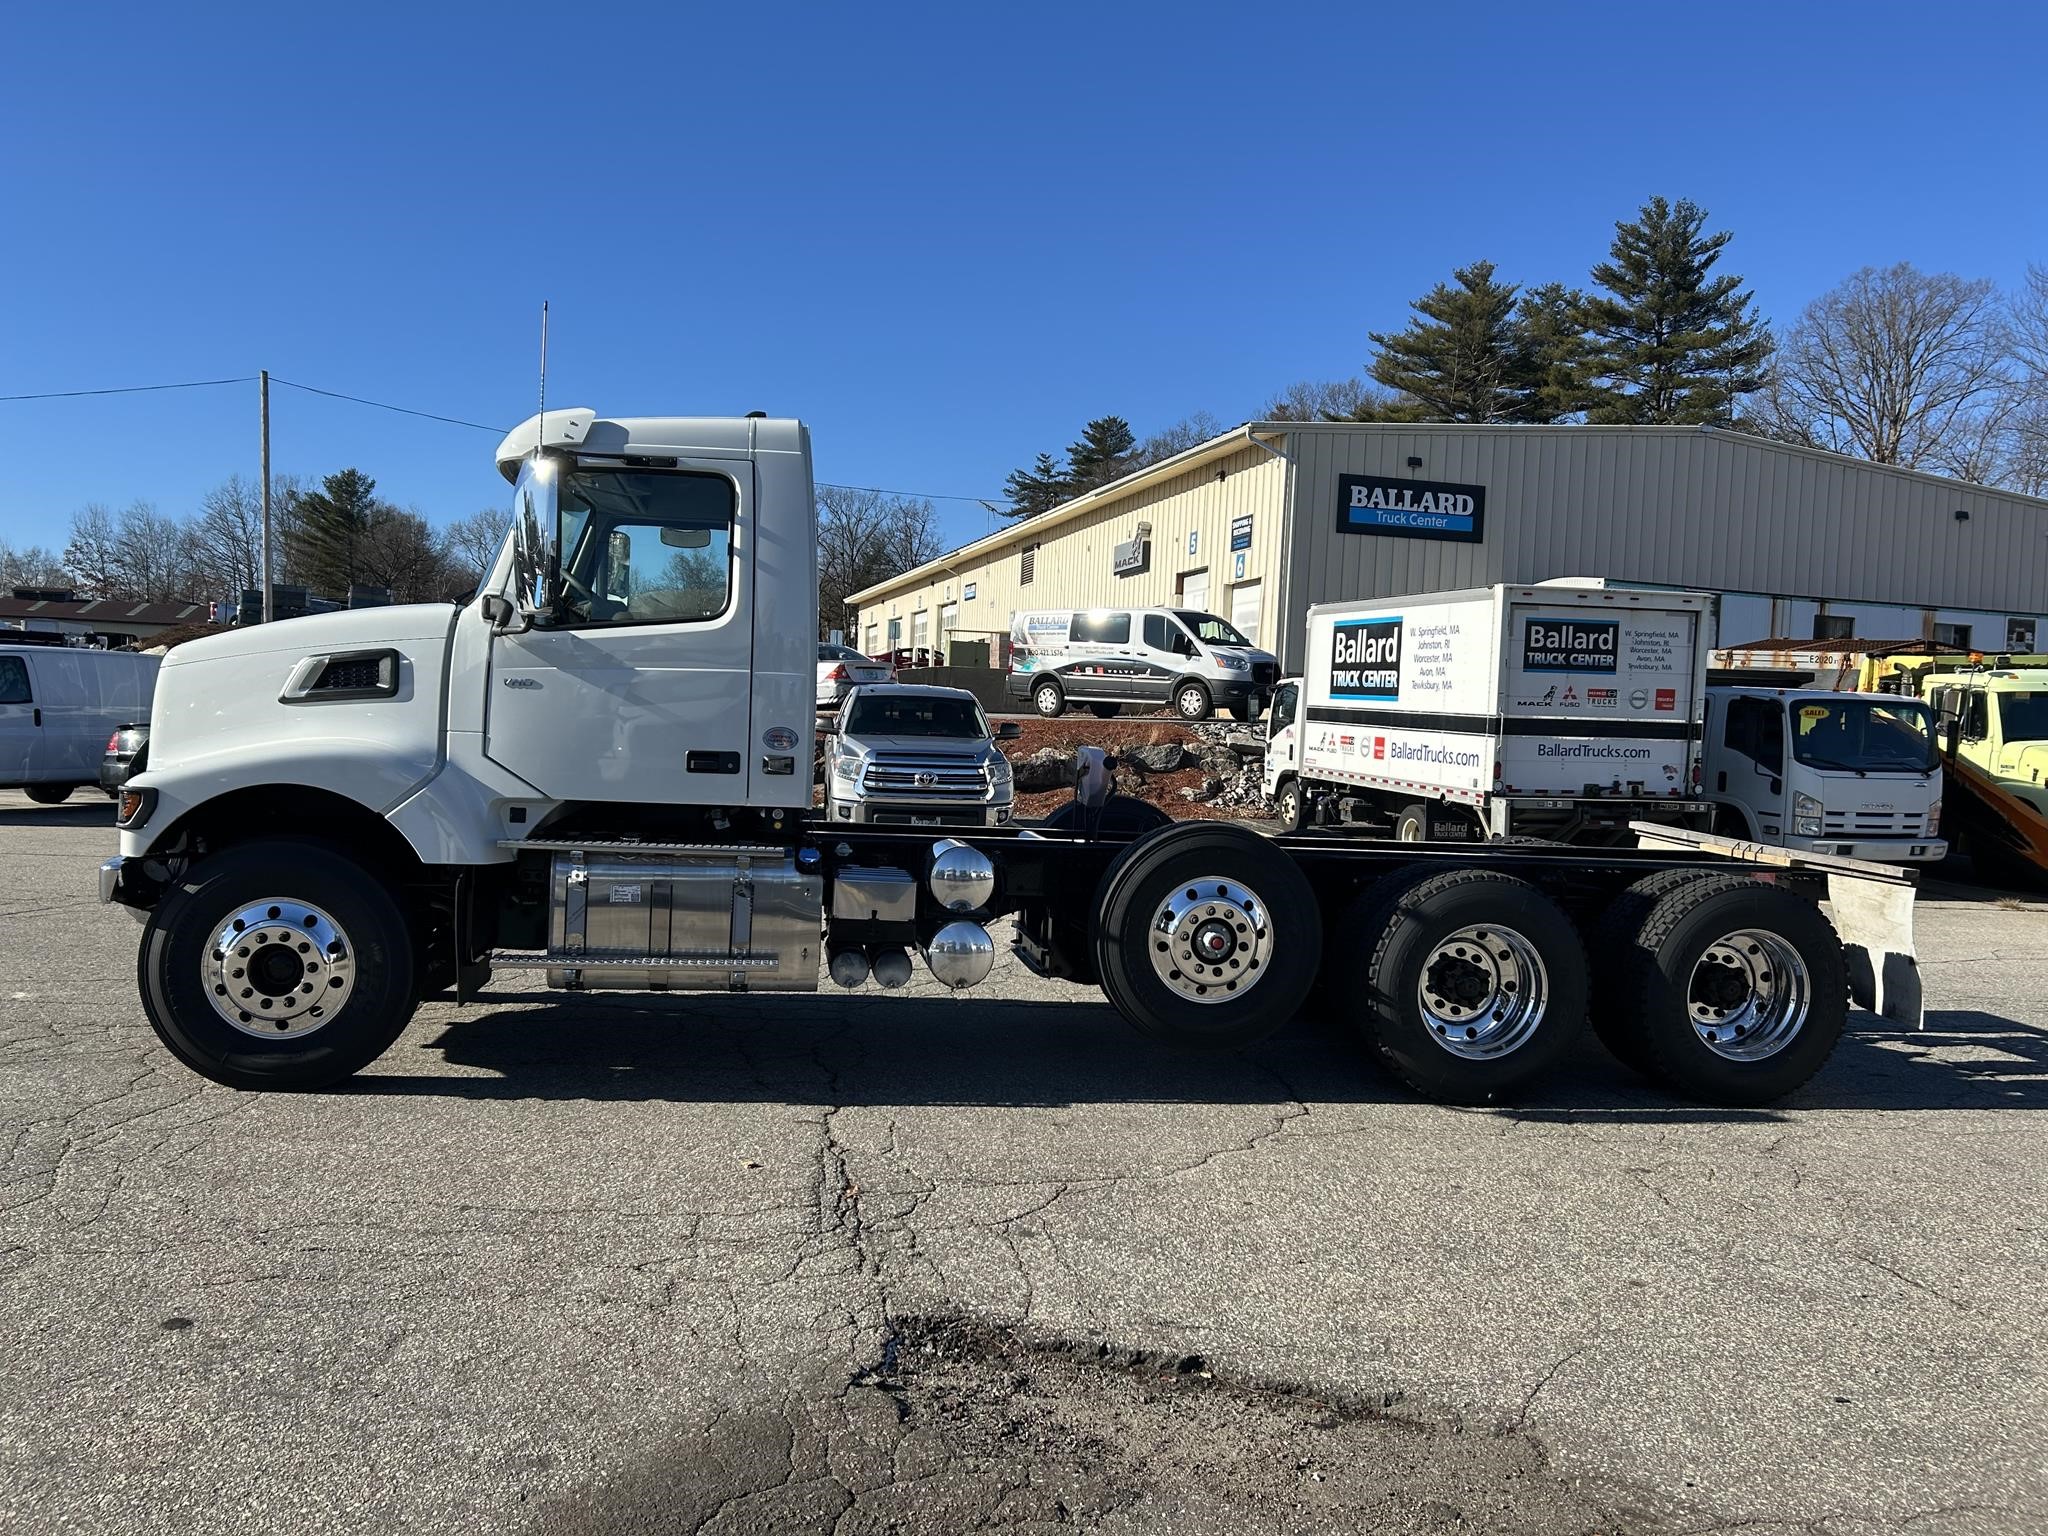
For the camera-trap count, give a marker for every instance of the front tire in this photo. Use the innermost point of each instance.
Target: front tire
(277, 965)
(1191, 701)
(1048, 700)
(1287, 804)
(50, 794)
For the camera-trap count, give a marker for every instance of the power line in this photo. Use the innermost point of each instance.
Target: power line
(979, 501)
(129, 389)
(453, 421)
(335, 394)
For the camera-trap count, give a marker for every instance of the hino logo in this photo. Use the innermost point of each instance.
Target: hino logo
(927, 780)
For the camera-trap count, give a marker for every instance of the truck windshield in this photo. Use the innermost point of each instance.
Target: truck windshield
(2023, 715)
(876, 714)
(1865, 734)
(1209, 629)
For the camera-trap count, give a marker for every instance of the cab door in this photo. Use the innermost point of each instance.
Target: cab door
(634, 683)
(1283, 740)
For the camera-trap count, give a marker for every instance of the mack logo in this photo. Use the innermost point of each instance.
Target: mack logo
(1570, 645)
(1365, 659)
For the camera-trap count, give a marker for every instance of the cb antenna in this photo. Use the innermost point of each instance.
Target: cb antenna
(541, 423)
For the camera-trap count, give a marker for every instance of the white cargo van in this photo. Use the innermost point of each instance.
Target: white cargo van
(1559, 711)
(1106, 658)
(58, 706)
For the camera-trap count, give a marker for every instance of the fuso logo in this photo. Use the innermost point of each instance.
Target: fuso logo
(1379, 746)
(1667, 698)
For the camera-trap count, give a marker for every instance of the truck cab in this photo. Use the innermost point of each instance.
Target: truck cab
(1999, 718)
(1851, 774)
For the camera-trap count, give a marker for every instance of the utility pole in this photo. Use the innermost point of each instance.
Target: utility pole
(263, 390)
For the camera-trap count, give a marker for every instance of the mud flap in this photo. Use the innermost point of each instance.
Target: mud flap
(1875, 921)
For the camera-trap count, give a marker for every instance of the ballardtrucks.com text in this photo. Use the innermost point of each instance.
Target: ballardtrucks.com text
(1616, 752)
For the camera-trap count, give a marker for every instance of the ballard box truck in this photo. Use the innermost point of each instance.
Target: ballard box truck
(1564, 711)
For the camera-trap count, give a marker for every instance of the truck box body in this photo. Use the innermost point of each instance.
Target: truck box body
(1524, 691)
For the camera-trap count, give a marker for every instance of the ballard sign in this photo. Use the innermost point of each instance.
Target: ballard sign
(1414, 509)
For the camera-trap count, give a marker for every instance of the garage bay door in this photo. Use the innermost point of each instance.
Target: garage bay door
(1194, 591)
(1244, 609)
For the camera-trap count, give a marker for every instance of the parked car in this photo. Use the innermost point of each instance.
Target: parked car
(915, 656)
(841, 669)
(57, 704)
(912, 755)
(125, 755)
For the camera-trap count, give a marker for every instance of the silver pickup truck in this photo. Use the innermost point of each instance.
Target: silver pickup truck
(907, 755)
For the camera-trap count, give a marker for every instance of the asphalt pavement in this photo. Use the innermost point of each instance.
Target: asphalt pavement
(905, 1261)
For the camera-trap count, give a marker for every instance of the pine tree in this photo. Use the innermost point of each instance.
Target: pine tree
(329, 528)
(1102, 454)
(1462, 358)
(1038, 489)
(1552, 322)
(1671, 342)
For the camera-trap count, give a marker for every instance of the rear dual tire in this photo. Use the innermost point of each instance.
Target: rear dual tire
(1721, 987)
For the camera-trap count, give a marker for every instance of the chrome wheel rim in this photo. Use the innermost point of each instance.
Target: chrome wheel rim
(1211, 939)
(1483, 992)
(1193, 703)
(278, 969)
(1749, 995)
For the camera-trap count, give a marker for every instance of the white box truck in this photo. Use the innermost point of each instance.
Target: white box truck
(1563, 711)
(598, 770)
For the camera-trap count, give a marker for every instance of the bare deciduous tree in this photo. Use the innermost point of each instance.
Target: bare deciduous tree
(2027, 451)
(471, 543)
(1897, 366)
(1327, 400)
(32, 566)
(93, 555)
(865, 537)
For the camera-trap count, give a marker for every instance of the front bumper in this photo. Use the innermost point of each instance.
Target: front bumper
(1237, 688)
(878, 812)
(1876, 850)
(118, 887)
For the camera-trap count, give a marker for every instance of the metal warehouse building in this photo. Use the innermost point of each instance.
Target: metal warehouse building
(1265, 520)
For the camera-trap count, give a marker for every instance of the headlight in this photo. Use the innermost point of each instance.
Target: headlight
(1806, 815)
(846, 763)
(998, 769)
(1934, 818)
(1233, 663)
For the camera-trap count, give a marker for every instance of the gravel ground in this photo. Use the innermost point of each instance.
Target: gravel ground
(861, 1262)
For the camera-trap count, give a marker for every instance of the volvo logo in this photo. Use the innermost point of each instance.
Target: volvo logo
(927, 780)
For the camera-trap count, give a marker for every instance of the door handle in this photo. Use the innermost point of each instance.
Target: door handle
(39, 714)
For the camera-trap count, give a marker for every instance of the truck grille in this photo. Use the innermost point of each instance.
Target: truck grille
(924, 778)
(1872, 824)
(1265, 674)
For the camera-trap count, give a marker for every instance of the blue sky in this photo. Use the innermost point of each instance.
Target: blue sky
(943, 235)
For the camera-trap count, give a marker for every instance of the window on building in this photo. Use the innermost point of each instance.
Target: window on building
(1953, 637)
(1027, 566)
(1834, 626)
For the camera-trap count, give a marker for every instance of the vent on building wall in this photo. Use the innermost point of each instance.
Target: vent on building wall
(1027, 566)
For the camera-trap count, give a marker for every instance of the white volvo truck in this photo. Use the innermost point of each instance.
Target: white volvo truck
(599, 770)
